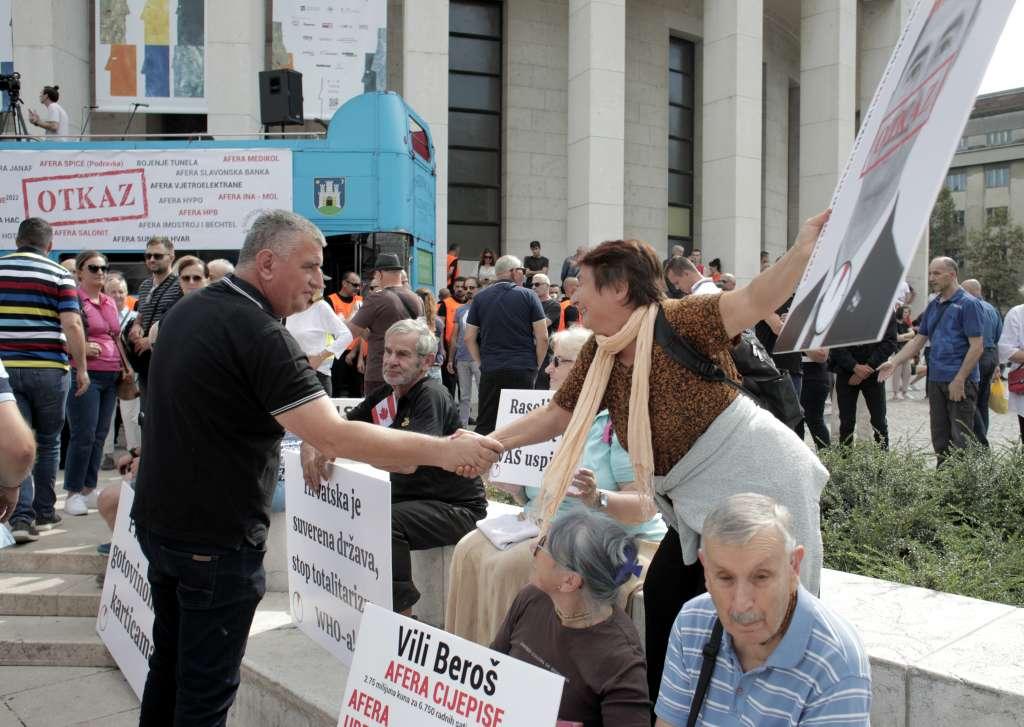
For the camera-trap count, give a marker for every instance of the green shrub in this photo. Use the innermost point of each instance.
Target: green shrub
(958, 529)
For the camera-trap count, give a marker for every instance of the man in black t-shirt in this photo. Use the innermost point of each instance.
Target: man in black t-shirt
(226, 380)
(535, 262)
(429, 507)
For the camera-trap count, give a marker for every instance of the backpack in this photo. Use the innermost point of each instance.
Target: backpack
(770, 388)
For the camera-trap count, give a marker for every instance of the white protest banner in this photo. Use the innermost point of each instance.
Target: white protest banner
(345, 404)
(125, 619)
(151, 52)
(526, 465)
(884, 198)
(408, 673)
(339, 47)
(113, 200)
(339, 551)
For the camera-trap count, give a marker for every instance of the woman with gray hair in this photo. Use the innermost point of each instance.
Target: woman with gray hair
(567, 621)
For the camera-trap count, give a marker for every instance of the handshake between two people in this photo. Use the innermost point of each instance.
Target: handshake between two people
(465, 453)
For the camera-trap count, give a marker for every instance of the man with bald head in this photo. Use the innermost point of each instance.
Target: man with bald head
(953, 325)
(993, 323)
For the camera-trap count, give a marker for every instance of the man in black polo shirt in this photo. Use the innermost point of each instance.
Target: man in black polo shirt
(429, 507)
(226, 381)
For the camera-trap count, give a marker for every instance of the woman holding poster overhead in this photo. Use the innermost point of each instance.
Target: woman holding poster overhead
(567, 621)
(692, 441)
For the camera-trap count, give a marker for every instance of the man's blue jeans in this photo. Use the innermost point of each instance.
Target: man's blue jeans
(41, 395)
(204, 600)
(89, 417)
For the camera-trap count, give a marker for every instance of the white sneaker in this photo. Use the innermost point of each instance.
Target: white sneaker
(92, 500)
(75, 505)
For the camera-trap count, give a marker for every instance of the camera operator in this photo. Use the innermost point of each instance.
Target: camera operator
(54, 119)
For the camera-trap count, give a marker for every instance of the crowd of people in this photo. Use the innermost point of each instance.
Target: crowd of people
(648, 487)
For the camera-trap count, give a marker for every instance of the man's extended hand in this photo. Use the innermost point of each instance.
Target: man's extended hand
(315, 466)
(468, 454)
(956, 390)
(8, 501)
(863, 371)
(885, 371)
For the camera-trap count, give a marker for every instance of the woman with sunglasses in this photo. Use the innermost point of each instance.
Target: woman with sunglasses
(90, 415)
(567, 621)
(193, 274)
(485, 271)
(485, 580)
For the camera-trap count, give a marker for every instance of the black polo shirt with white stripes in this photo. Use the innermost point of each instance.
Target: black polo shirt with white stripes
(223, 367)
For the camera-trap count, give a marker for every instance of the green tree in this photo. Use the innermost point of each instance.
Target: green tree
(945, 233)
(995, 256)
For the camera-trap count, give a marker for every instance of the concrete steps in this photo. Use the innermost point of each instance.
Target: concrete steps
(51, 641)
(49, 594)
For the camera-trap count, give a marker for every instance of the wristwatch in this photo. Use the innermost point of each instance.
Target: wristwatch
(602, 500)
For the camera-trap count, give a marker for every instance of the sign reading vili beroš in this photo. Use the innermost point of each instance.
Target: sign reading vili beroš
(116, 200)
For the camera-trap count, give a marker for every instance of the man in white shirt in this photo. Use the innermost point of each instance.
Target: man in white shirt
(683, 274)
(54, 118)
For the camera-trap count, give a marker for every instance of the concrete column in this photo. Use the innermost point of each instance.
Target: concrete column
(53, 45)
(731, 116)
(597, 121)
(828, 68)
(425, 88)
(236, 41)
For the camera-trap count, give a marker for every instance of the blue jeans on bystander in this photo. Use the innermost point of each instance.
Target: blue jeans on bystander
(40, 394)
(89, 418)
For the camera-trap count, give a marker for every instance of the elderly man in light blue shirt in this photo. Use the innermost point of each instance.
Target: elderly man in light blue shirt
(784, 658)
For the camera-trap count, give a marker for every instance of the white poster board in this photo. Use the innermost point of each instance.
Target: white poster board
(882, 203)
(339, 47)
(339, 551)
(125, 618)
(345, 404)
(526, 465)
(408, 673)
(151, 52)
(116, 200)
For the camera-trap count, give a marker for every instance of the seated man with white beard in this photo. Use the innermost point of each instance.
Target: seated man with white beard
(785, 657)
(429, 507)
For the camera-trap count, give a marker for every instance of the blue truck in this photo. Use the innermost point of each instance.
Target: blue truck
(369, 185)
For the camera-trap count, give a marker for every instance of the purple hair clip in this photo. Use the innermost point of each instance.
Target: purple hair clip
(630, 567)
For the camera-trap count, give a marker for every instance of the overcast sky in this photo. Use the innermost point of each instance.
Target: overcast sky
(1007, 67)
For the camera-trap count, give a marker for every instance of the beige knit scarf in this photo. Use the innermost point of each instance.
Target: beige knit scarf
(639, 328)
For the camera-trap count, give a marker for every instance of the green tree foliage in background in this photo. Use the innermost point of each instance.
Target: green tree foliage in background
(995, 256)
(945, 234)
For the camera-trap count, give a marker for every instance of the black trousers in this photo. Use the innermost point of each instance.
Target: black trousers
(325, 381)
(491, 384)
(813, 395)
(204, 600)
(874, 397)
(952, 422)
(418, 525)
(450, 381)
(669, 584)
(346, 379)
(988, 364)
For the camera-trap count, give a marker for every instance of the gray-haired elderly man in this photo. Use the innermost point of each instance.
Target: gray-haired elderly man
(785, 657)
(227, 380)
(429, 507)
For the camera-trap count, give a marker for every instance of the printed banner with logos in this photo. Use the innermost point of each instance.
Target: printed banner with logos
(339, 551)
(339, 47)
(526, 465)
(125, 619)
(112, 200)
(884, 198)
(153, 53)
(408, 673)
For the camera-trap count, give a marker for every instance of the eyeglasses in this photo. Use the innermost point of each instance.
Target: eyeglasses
(192, 278)
(353, 283)
(155, 255)
(539, 545)
(537, 285)
(97, 268)
(558, 361)
(519, 270)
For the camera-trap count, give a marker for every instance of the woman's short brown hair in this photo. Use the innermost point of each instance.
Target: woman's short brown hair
(188, 261)
(632, 261)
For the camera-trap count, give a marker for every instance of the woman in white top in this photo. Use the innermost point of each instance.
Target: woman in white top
(322, 336)
(1011, 351)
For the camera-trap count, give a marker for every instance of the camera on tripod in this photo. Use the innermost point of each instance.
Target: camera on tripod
(11, 82)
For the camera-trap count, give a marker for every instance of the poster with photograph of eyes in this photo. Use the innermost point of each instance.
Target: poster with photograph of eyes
(901, 155)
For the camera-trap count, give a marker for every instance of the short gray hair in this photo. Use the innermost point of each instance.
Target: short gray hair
(506, 263)
(595, 547)
(35, 232)
(741, 517)
(427, 341)
(273, 230)
(571, 339)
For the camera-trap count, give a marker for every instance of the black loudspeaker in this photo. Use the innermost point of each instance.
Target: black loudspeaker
(281, 97)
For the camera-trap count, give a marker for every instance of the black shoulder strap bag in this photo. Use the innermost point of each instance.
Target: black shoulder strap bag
(707, 668)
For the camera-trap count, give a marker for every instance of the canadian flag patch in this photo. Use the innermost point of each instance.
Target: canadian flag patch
(385, 411)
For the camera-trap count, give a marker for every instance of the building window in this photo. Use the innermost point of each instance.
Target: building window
(998, 138)
(996, 215)
(681, 103)
(474, 125)
(958, 216)
(962, 146)
(956, 181)
(997, 176)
